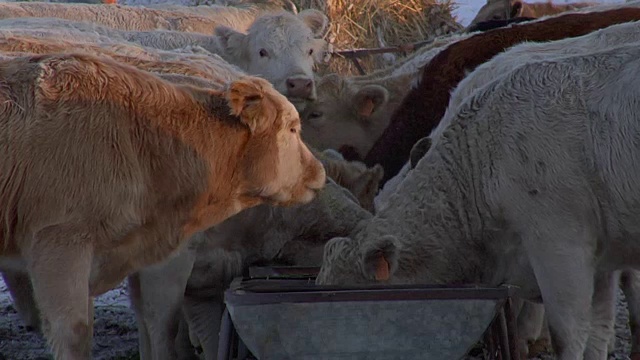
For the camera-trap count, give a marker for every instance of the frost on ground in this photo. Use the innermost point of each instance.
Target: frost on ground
(116, 337)
(115, 330)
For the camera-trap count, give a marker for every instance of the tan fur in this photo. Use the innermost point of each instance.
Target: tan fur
(196, 67)
(129, 17)
(108, 169)
(495, 9)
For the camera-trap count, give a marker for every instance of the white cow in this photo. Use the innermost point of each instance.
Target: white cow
(532, 52)
(532, 181)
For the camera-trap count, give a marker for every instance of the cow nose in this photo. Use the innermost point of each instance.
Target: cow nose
(300, 87)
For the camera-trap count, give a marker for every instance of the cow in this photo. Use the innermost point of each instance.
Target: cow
(496, 10)
(293, 236)
(134, 17)
(355, 176)
(280, 47)
(123, 167)
(484, 205)
(423, 107)
(528, 52)
(352, 112)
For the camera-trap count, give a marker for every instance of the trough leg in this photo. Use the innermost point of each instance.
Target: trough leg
(503, 335)
(224, 340)
(60, 278)
(512, 330)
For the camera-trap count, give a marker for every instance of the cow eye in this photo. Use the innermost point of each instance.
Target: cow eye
(310, 51)
(263, 53)
(293, 130)
(315, 114)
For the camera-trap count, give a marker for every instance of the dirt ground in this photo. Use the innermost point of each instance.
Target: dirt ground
(116, 336)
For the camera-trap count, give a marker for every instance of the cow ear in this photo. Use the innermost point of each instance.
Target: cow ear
(516, 9)
(230, 40)
(250, 98)
(380, 257)
(317, 21)
(418, 150)
(369, 98)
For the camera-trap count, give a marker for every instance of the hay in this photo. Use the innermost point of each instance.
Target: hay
(361, 23)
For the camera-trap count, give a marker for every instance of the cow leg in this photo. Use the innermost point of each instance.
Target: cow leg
(630, 280)
(204, 319)
(59, 262)
(19, 285)
(184, 347)
(157, 301)
(530, 321)
(603, 315)
(561, 260)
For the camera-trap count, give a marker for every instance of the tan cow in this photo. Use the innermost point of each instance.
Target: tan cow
(130, 17)
(122, 168)
(496, 9)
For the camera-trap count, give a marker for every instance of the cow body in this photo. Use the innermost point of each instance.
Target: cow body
(122, 168)
(494, 10)
(423, 107)
(536, 196)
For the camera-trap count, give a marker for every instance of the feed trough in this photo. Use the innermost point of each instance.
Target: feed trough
(279, 313)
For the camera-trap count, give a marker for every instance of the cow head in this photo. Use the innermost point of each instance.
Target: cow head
(496, 10)
(282, 48)
(350, 262)
(345, 114)
(275, 165)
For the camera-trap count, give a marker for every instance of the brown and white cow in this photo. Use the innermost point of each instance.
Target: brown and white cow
(108, 169)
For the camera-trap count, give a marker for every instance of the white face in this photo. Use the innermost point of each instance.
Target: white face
(281, 48)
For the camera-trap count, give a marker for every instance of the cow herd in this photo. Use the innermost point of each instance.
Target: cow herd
(176, 146)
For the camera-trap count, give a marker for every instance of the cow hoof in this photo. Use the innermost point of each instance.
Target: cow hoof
(540, 346)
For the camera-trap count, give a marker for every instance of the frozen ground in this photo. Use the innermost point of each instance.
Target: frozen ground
(115, 334)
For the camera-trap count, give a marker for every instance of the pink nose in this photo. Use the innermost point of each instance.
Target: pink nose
(299, 87)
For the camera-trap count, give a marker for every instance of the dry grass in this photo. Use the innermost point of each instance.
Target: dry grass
(358, 24)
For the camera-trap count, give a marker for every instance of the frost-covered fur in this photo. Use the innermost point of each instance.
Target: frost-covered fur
(290, 44)
(534, 51)
(295, 236)
(514, 193)
(179, 18)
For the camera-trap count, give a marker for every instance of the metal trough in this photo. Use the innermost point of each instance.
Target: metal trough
(279, 313)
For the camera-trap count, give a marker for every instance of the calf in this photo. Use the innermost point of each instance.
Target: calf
(295, 236)
(173, 160)
(424, 106)
(497, 163)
